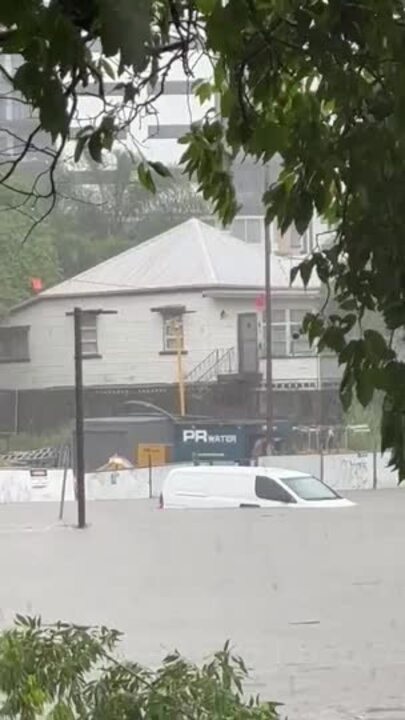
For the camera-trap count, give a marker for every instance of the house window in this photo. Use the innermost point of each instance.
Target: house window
(14, 344)
(249, 229)
(285, 330)
(291, 242)
(173, 333)
(299, 343)
(89, 334)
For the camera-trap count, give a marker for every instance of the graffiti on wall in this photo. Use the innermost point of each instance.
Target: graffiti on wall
(355, 472)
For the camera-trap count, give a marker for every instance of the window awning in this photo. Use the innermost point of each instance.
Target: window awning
(170, 309)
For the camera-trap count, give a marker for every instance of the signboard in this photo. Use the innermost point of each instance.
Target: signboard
(151, 454)
(39, 478)
(212, 442)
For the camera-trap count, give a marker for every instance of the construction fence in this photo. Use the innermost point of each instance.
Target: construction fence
(342, 471)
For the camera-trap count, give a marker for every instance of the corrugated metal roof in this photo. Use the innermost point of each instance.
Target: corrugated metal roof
(193, 254)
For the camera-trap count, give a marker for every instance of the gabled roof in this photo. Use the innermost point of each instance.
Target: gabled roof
(191, 255)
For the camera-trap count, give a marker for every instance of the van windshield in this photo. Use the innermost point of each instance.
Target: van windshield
(310, 488)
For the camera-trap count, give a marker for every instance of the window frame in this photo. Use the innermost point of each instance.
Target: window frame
(167, 318)
(288, 326)
(242, 221)
(289, 498)
(94, 352)
(23, 330)
(296, 244)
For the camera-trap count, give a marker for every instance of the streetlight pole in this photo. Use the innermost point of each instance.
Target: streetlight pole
(267, 291)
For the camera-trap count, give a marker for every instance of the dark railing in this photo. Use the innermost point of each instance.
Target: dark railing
(217, 362)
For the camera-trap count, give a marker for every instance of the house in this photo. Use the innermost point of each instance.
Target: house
(193, 294)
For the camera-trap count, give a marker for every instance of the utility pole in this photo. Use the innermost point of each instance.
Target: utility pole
(267, 292)
(79, 402)
(81, 490)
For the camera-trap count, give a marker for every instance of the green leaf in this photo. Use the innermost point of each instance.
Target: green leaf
(108, 68)
(53, 109)
(346, 388)
(80, 145)
(28, 79)
(202, 90)
(86, 130)
(206, 6)
(95, 147)
(306, 269)
(314, 325)
(145, 178)
(376, 346)
(333, 338)
(268, 138)
(348, 352)
(348, 304)
(364, 388)
(303, 213)
(160, 169)
(293, 273)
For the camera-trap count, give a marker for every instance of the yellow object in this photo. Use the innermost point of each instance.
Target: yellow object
(155, 454)
(180, 377)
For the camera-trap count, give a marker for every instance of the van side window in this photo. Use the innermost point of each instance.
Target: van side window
(268, 489)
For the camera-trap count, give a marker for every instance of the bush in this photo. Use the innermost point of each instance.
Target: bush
(63, 672)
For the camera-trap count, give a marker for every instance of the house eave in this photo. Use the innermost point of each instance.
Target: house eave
(250, 293)
(220, 291)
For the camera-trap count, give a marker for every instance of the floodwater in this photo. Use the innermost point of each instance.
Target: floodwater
(314, 600)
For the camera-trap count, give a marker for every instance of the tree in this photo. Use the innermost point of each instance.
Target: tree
(20, 263)
(320, 84)
(63, 672)
(370, 416)
(67, 49)
(113, 212)
(317, 83)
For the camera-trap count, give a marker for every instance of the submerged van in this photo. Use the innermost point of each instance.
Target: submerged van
(246, 487)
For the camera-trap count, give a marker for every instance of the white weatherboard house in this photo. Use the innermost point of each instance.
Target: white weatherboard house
(195, 285)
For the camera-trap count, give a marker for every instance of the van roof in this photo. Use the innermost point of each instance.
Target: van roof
(281, 473)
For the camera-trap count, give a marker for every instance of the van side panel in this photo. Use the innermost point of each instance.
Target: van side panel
(197, 488)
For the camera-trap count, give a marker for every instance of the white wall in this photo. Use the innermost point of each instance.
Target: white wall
(129, 342)
(343, 472)
(19, 485)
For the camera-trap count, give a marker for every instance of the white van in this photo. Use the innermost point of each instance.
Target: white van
(246, 487)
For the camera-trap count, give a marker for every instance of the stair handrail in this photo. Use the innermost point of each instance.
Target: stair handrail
(211, 365)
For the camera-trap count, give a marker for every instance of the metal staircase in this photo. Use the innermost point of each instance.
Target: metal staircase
(217, 362)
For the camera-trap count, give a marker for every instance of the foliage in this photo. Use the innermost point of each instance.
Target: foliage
(65, 671)
(320, 84)
(370, 416)
(91, 222)
(68, 49)
(20, 262)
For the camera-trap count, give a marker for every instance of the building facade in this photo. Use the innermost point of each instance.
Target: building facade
(185, 305)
